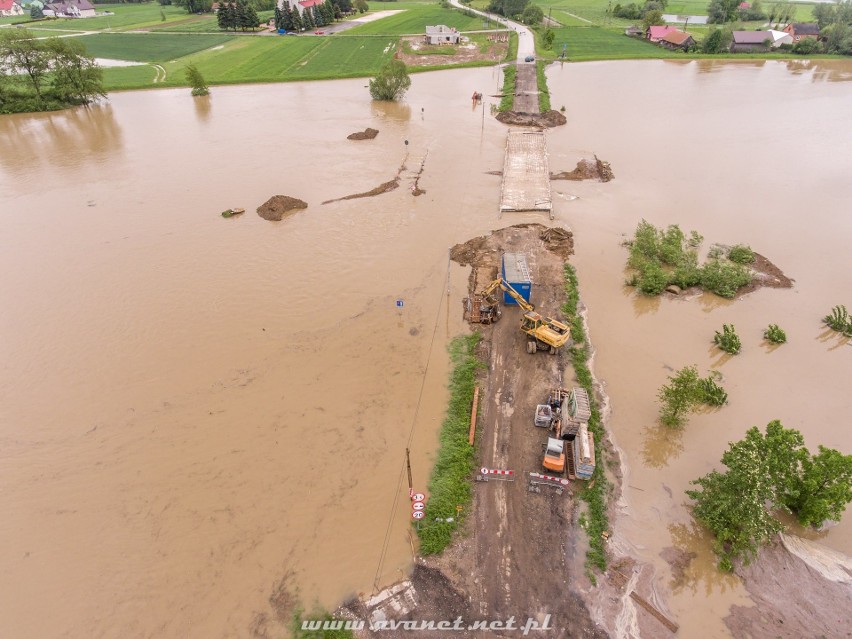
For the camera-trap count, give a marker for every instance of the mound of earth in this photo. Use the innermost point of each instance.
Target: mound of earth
(765, 274)
(366, 134)
(276, 207)
(587, 170)
(548, 119)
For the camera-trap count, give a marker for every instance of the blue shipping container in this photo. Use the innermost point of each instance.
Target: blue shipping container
(514, 270)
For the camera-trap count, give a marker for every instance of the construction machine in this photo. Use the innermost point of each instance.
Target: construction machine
(543, 333)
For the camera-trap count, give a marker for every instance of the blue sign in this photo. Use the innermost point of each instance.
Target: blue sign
(400, 303)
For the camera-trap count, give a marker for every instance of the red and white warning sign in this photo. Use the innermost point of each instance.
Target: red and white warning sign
(417, 514)
(418, 505)
(418, 497)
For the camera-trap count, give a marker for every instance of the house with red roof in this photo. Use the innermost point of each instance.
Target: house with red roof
(657, 33)
(10, 8)
(300, 6)
(677, 40)
(801, 30)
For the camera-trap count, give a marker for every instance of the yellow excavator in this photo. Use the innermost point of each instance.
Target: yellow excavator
(543, 333)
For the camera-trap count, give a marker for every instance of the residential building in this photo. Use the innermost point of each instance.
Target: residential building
(745, 41)
(657, 33)
(70, 9)
(441, 34)
(677, 40)
(801, 30)
(10, 8)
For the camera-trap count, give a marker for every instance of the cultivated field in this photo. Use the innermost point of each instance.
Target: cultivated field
(148, 47)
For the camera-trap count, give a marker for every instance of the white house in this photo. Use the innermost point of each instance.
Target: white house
(441, 34)
(299, 6)
(10, 8)
(70, 9)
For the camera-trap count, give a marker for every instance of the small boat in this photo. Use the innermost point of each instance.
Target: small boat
(233, 212)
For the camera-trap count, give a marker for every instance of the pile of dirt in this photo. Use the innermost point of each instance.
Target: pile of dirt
(792, 598)
(548, 119)
(559, 241)
(366, 134)
(765, 274)
(276, 207)
(587, 170)
(385, 187)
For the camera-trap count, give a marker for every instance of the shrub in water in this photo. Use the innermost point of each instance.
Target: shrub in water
(741, 254)
(774, 334)
(839, 320)
(728, 340)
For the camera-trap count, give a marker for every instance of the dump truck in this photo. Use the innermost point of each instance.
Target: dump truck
(543, 333)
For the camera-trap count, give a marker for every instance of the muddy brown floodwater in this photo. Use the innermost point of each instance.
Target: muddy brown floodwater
(200, 411)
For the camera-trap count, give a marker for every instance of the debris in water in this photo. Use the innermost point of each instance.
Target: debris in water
(587, 170)
(232, 212)
(276, 207)
(366, 134)
(385, 187)
(549, 119)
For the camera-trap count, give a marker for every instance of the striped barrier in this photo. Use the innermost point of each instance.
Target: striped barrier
(495, 473)
(560, 484)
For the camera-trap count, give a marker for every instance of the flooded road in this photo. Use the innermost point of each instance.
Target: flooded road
(202, 414)
(755, 153)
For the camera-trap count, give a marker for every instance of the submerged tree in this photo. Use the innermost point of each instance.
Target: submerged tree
(391, 83)
(769, 471)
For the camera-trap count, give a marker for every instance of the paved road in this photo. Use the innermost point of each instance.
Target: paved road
(526, 40)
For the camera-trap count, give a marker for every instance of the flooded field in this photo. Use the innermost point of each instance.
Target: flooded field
(203, 414)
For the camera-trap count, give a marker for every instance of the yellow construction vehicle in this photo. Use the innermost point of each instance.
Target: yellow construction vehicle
(543, 333)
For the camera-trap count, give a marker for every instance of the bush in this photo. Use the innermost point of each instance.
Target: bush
(728, 340)
(774, 334)
(652, 279)
(741, 254)
(807, 46)
(839, 320)
(711, 393)
(724, 278)
(196, 80)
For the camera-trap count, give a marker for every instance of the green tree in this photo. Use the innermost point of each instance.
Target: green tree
(308, 20)
(731, 505)
(722, 11)
(508, 8)
(548, 37)
(76, 77)
(769, 471)
(36, 10)
(296, 20)
(532, 15)
(222, 17)
(345, 6)
(653, 18)
(328, 11)
(251, 20)
(231, 16)
(392, 81)
(362, 6)
(823, 488)
(196, 80)
(21, 52)
(680, 396)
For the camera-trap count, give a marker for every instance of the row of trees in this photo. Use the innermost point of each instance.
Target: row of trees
(510, 8)
(312, 17)
(239, 15)
(767, 473)
(45, 75)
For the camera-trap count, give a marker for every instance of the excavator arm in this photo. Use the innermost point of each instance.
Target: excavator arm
(505, 286)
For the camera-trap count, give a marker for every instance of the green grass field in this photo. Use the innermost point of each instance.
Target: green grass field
(414, 19)
(127, 16)
(597, 43)
(153, 47)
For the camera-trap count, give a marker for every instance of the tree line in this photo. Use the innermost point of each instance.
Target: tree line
(237, 15)
(45, 75)
(319, 15)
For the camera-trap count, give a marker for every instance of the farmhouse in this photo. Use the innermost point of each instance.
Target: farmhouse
(745, 41)
(656, 33)
(70, 9)
(10, 8)
(441, 34)
(299, 6)
(801, 30)
(677, 40)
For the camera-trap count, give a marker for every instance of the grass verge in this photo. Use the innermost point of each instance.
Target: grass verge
(449, 485)
(512, 53)
(543, 93)
(508, 99)
(595, 494)
(320, 625)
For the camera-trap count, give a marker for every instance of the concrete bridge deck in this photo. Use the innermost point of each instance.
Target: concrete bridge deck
(526, 174)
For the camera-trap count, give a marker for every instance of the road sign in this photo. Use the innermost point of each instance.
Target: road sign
(418, 497)
(400, 303)
(418, 505)
(417, 514)
(483, 471)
